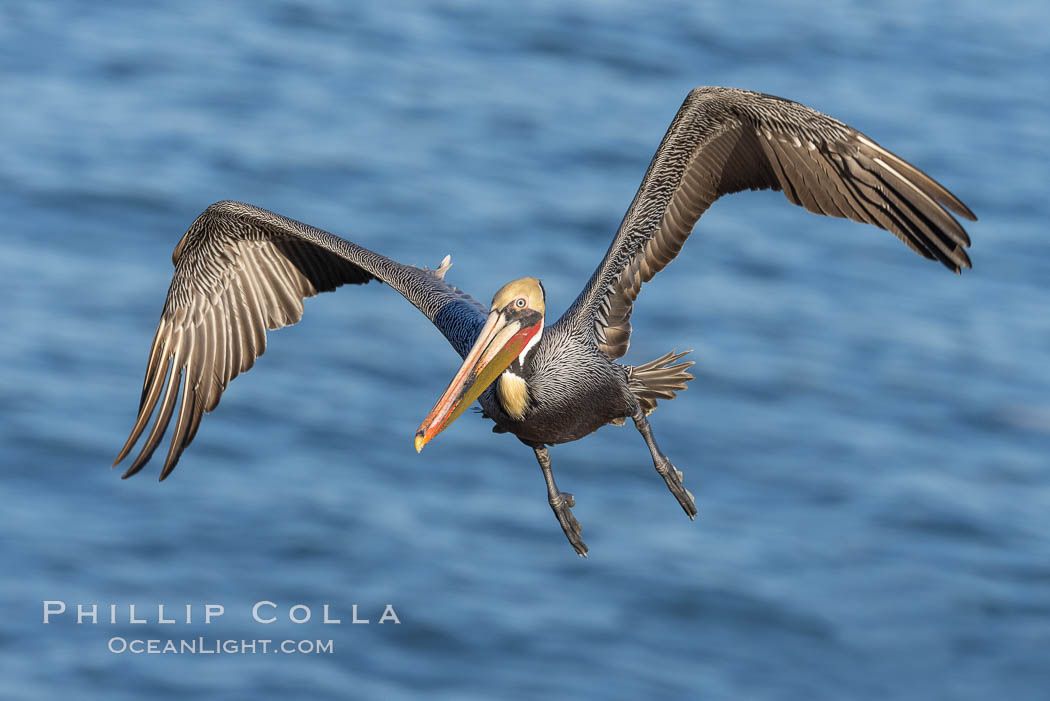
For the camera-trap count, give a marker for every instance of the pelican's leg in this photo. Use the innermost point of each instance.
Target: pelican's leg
(669, 472)
(561, 502)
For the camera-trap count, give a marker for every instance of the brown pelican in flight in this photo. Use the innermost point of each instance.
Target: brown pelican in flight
(240, 270)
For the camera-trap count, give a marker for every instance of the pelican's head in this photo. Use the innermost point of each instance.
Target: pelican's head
(513, 328)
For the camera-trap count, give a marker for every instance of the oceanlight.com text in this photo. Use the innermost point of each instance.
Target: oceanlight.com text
(218, 646)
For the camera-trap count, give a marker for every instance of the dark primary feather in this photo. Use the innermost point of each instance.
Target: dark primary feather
(240, 270)
(724, 140)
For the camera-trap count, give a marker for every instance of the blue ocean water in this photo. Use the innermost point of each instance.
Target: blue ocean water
(867, 436)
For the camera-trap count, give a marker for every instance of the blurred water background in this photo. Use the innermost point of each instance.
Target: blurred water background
(867, 436)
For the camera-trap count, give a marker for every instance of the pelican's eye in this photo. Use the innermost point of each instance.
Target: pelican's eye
(519, 303)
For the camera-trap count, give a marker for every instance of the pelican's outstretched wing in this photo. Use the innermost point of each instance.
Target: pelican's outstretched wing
(725, 140)
(240, 270)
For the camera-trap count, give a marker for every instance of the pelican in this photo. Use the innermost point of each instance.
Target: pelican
(241, 270)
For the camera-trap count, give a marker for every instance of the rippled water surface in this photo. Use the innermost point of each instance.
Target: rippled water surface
(867, 436)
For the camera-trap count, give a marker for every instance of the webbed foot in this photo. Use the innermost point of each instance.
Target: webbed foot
(673, 477)
(562, 504)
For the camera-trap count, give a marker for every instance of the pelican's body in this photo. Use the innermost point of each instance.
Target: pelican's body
(240, 270)
(561, 360)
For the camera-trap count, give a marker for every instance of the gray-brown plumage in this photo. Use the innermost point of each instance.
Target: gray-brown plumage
(724, 140)
(240, 270)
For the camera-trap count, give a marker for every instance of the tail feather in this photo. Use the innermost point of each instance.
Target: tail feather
(659, 379)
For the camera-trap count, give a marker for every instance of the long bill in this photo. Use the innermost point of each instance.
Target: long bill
(501, 340)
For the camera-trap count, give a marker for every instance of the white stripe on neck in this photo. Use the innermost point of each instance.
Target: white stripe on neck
(530, 345)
